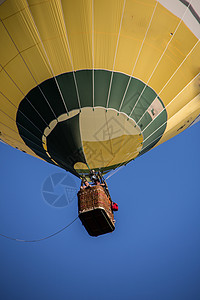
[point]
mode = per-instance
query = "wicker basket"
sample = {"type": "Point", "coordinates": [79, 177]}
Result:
{"type": "Point", "coordinates": [95, 210]}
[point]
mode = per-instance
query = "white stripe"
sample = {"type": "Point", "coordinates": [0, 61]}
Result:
{"type": "Point", "coordinates": [115, 54]}
{"type": "Point", "coordinates": [176, 7]}
{"type": "Point", "coordinates": [159, 62]}
{"type": "Point", "coordinates": [138, 56]}
{"type": "Point", "coordinates": [195, 121]}
{"type": "Point", "coordinates": [93, 52]}
{"type": "Point", "coordinates": [172, 101]}
{"type": "Point", "coordinates": [48, 63]}
{"type": "Point", "coordinates": [72, 65]}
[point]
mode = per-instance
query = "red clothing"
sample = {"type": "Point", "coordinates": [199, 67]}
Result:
{"type": "Point", "coordinates": [114, 206]}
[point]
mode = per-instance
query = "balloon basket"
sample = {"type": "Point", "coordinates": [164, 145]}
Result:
{"type": "Point", "coordinates": [95, 211]}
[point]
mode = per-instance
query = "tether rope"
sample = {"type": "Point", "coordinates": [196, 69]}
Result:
{"type": "Point", "coordinates": [39, 240]}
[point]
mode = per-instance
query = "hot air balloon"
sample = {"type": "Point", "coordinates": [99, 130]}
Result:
{"type": "Point", "coordinates": [89, 84]}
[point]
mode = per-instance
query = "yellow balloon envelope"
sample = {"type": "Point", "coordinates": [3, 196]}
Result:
{"type": "Point", "coordinates": [90, 84]}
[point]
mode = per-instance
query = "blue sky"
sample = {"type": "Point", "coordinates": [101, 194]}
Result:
{"type": "Point", "coordinates": [152, 254]}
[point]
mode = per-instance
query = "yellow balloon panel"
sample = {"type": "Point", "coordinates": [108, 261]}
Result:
{"type": "Point", "coordinates": [37, 63]}
{"type": "Point", "coordinates": [8, 51]}
{"type": "Point", "coordinates": [182, 119]}
{"type": "Point", "coordinates": [107, 20]}
{"type": "Point", "coordinates": [23, 78]}
{"type": "Point", "coordinates": [184, 97]}
{"type": "Point", "coordinates": [7, 107]}
{"type": "Point", "coordinates": [8, 120]}
{"type": "Point", "coordinates": [132, 34]}
{"type": "Point", "coordinates": [184, 74]}
{"type": "Point", "coordinates": [18, 27]}
{"type": "Point", "coordinates": [104, 43]}
{"type": "Point", "coordinates": [173, 59]}
{"type": "Point", "coordinates": [78, 22]}
{"type": "Point", "coordinates": [10, 8]}
{"type": "Point", "coordinates": [9, 89]}
{"type": "Point", "coordinates": [47, 21]}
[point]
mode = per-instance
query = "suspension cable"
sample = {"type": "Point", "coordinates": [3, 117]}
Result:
{"type": "Point", "coordinates": [114, 172]}
{"type": "Point", "coordinates": [41, 239]}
